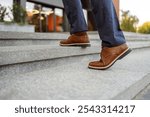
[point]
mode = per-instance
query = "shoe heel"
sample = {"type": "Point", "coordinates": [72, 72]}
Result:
{"type": "Point", "coordinates": [126, 53]}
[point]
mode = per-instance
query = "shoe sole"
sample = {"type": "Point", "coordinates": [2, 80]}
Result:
{"type": "Point", "coordinates": [122, 55]}
{"type": "Point", "coordinates": [77, 44]}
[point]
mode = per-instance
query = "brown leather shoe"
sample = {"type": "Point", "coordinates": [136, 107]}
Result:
{"type": "Point", "coordinates": [77, 39]}
{"type": "Point", "coordinates": [109, 55]}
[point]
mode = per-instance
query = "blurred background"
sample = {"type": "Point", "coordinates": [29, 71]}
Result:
{"type": "Point", "coordinates": [49, 15]}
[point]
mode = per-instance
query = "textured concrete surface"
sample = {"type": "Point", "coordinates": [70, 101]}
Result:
{"type": "Point", "coordinates": [131, 92]}
{"type": "Point", "coordinates": [76, 81]}
{"type": "Point", "coordinates": [27, 42]}
{"type": "Point", "coordinates": [25, 35]}
{"type": "Point", "coordinates": [21, 54]}
{"type": "Point", "coordinates": [144, 94]}
{"type": "Point", "coordinates": [16, 27]}
{"type": "Point", "coordinates": [33, 66]}
{"type": "Point", "coordinates": [55, 36]}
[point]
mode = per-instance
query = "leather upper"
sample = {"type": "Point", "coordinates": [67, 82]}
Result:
{"type": "Point", "coordinates": [108, 55]}
{"type": "Point", "coordinates": [76, 38]}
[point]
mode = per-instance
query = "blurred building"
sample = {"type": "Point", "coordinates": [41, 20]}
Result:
{"type": "Point", "coordinates": [46, 15]}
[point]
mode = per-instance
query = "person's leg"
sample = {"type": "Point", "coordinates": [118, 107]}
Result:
{"type": "Point", "coordinates": [78, 24]}
{"type": "Point", "coordinates": [107, 23]}
{"type": "Point", "coordinates": [113, 42]}
{"type": "Point", "coordinates": [73, 9]}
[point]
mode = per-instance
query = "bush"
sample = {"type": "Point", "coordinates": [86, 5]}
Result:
{"type": "Point", "coordinates": [19, 14]}
{"type": "Point", "coordinates": [145, 28]}
{"type": "Point", "coordinates": [129, 22]}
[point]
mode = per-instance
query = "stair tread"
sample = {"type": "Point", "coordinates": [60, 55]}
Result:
{"type": "Point", "coordinates": [76, 81]}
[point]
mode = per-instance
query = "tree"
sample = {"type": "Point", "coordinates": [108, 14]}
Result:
{"type": "Point", "coordinates": [19, 13]}
{"type": "Point", "coordinates": [145, 28]}
{"type": "Point", "coordinates": [129, 22]}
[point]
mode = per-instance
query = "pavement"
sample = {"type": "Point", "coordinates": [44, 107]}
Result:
{"type": "Point", "coordinates": [75, 81]}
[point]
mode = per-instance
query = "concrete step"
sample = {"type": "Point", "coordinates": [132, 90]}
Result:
{"type": "Point", "coordinates": [73, 80]}
{"type": "Point", "coordinates": [23, 39]}
{"type": "Point", "coordinates": [144, 94]}
{"type": "Point", "coordinates": [23, 59]}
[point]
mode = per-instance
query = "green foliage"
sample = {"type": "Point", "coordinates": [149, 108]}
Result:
{"type": "Point", "coordinates": [128, 22]}
{"type": "Point", "coordinates": [145, 28]}
{"type": "Point", "coordinates": [3, 13]}
{"type": "Point", "coordinates": [19, 14]}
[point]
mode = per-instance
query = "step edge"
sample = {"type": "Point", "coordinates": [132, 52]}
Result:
{"type": "Point", "coordinates": [130, 92]}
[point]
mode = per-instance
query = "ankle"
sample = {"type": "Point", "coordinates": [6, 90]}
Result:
{"type": "Point", "coordinates": [80, 33]}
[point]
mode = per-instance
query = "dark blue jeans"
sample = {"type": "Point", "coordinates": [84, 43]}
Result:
{"type": "Point", "coordinates": [105, 18]}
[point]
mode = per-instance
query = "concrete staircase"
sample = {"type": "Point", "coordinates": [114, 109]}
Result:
{"type": "Point", "coordinates": [34, 66]}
